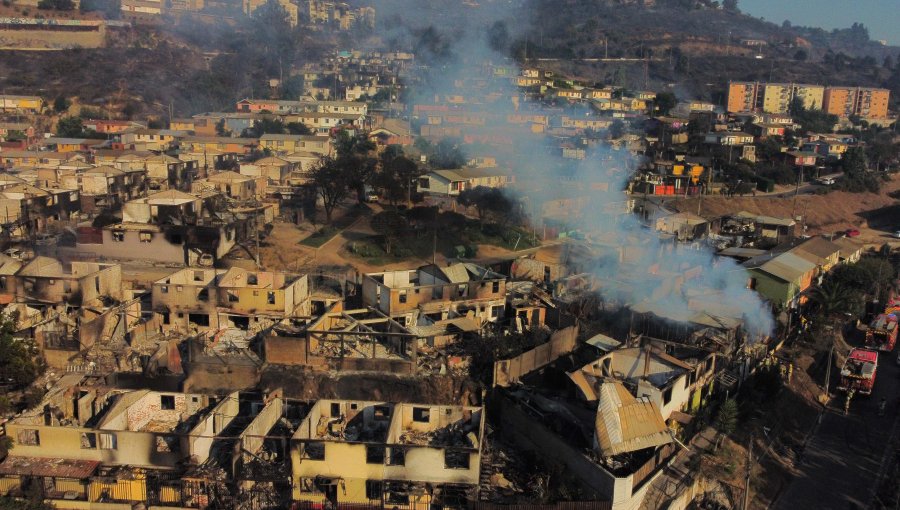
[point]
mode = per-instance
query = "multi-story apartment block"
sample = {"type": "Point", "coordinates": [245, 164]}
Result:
{"type": "Point", "coordinates": [867, 103]}
{"type": "Point", "coordinates": [772, 97]}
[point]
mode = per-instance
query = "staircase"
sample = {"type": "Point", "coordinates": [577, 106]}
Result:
{"type": "Point", "coordinates": [485, 491]}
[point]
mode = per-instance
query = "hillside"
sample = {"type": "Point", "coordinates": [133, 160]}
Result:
{"type": "Point", "coordinates": [699, 49]}
{"type": "Point", "coordinates": [877, 215]}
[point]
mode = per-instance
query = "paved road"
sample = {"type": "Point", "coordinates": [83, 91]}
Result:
{"type": "Point", "coordinates": [843, 460]}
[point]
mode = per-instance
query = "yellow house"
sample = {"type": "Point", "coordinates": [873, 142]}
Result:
{"type": "Point", "coordinates": [182, 124]}
{"type": "Point", "coordinates": [286, 144]}
{"type": "Point", "coordinates": [26, 103]}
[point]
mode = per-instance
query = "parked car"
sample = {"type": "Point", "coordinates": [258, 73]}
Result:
{"type": "Point", "coordinates": [852, 232]}
{"type": "Point", "coordinates": [825, 181]}
{"type": "Point", "coordinates": [897, 234]}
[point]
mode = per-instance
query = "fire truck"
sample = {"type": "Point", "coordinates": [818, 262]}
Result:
{"type": "Point", "coordinates": [858, 372]}
{"type": "Point", "coordinates": [882, 332]}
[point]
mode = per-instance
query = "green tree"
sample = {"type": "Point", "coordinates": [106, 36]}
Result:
{"type": "Point", "coordinates": [347, 145]}
{"type": "Point", "coordinates": [883, 150]}
{"type": "Point", "coordinates": [59, 5]}
{"type": "Point", "coordinates": [61, 104]}
{"type": "Point", "coordinates": [20, 360]}
{"type": "Point", "coordinates": [730, 5]}
{"type": "Point", "coordinates": [857, 177]}
{"type": "Point", "coordinates": [264, 126]}
{"type": "Point", "coordinates": [832, 300]}
{"type": "Point", "coordinates": [491, 203]}
{"type": "Point", "coordinates": [397, 178]}
{"type": "Point", "coordinates": [390, 225]}
{"type": "Point", "coordinates": [801, 55]}
{"type": "Point", "coordinates": [726, 420]}
{"type": "Point", "coordinates": [221, 130]}
{"type": "Point", "coordinates": [298, 128]}
{"type": "Point", "coordinates": [616, 129]}
{"type": "Point", "coordinates": [665, 101]}
{"type": "Point", "coordinates": [815, 121]}
{"type": "Point", "coordinates": [334, 178]}
{"type": "Point", "coordinates": [447, 154]}
{"type": "Point", "coordinates": [70, 127]}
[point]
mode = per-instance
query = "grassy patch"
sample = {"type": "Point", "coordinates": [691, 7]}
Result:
{"type": "Point", "coordinates": [320, 237]}
{"type": "Point", "coordinates": [326, 233]}
{"type": "Point", "coordinates": [459, 242]}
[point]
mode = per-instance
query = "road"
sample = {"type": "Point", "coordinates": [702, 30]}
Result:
{"type": "Point", "coordinates": [843, 460]}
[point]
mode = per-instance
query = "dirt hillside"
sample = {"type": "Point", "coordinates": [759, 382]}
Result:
{"type": "Point", "coordinates": [877, 215]}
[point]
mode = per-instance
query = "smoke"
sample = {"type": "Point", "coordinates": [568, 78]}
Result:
{"type": "Point", "coordinates": [633, 265]}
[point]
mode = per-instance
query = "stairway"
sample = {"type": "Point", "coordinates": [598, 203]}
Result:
{"type": "Point", "coordinates": [485, 491]}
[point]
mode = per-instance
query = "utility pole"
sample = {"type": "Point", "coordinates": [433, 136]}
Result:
{"type": "Point", "coordinates": [434, 249]}
{"type": "Point", "coordinates": [256, 228]}
{"type": "Point", "coordinates": [746, 505]}
{"type": "Point", "coordinates": [828, 368]}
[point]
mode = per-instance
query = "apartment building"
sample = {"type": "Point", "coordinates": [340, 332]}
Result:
{"type": "Point", "coordinates": [772, 97]}
{"type": "Point", "coordinates": [867, 103]}
{"type": "Point", "coordinates": [347, 452]}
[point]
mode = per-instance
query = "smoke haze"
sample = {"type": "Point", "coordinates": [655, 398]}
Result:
{"type": "Point", "coordinates": [461, 43]}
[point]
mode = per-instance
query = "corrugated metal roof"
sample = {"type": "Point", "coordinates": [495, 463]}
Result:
{"type": "Point", "coordinates": [787, 266]}
{"type": "Point", "coordinates": [816, 250]}
{"type": "Point", "coordinates": [625, 424]}
{"type": "Point", "coordinates": [456, 273]}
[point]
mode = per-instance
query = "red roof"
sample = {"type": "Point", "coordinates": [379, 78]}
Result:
{"type": "Point", "coordinates": [864, 355]}
{"type": "Point", "coordinates": [39, 466]}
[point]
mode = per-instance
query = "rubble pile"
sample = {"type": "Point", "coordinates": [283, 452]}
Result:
{"type": "Point", "coordinates": [453, 436]}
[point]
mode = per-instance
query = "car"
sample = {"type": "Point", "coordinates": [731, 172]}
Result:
{"type": "Point", "coordinates": [897, 234]}
{"type": "Point", "coordinates": [852, 232]}
{"type": "Point", "coordinates": [825, 181]}
{"type": "Point", "coordinates": [371, 196]}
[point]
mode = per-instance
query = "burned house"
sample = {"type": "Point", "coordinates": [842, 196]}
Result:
{"type": "Point", "coordinates": [105, 187]}
{"type": "Point", "coordinates": [613, 447]}
{"type": "Point", "coordinates": [46, 280]}
{"type": "Point", "coordinates": [551, 263]}
{"type": "Point", "coordinates": [90, 443]}
{"type": "Point", "coordinates": [27, 210]}
{"type": "Point", "coordinates": [344, 340]}
{"type": "Point", "coordinates": [165, 172]}
{"type": "Point", "coordinates": [432, 293]}
{"type": "Point", "coordinates": [169, 227]}
{"type": "Point", "coordinates": [385, 453]}
{"type": "Point", "coordinates": [213, 299]}
{"type": "Point", "coordinates": [677, 385]}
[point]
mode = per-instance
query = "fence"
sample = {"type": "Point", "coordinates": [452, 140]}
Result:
{"type": "Point", "coordinates": [509, 371]}
{"type": "Point", "coordinates": [649, 467]}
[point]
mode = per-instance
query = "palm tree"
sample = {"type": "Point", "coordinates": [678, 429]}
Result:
{"type": "Point", "coordinates": [832, 300]}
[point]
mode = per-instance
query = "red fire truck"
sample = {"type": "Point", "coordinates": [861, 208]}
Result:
{"type": "Point", "coordinates": [882, 332]}
{"type": "Point", "coordinates": [858, 372]}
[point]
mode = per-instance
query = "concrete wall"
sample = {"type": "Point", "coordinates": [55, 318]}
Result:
{"type": "Point", "coordinates": [132, 248]}
{"type": "Point", "coordinates": [252, 438]}
{"type": "Point", "coordinates": [202, 435]}
{"type": "Point", "coordinates": [533, 436]}
{"type": "Point", "coordinates": [132, 448]}
{"type": "Point", "coordinates": [509, 371]}
{"type": "Point", "coordinates": [51, 39]}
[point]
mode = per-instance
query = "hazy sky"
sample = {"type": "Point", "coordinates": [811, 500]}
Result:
{"type": "Point", "coordinates": [881, 17]}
